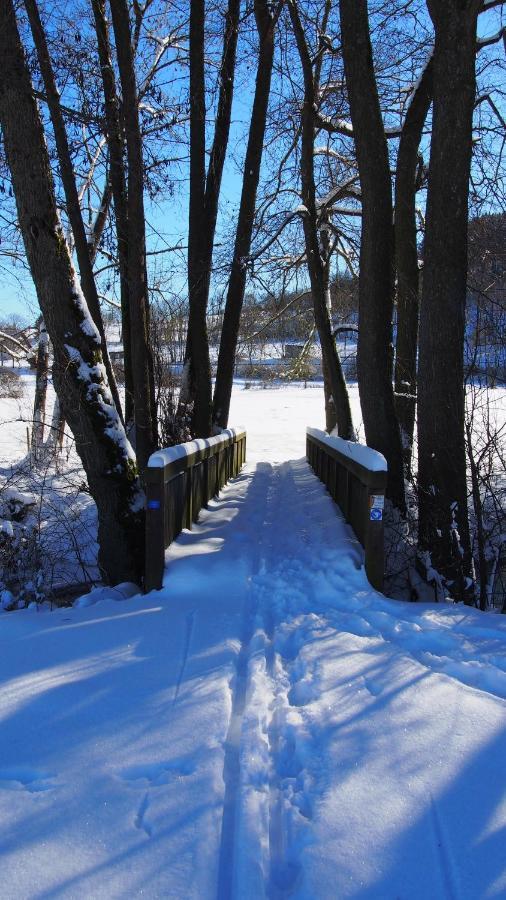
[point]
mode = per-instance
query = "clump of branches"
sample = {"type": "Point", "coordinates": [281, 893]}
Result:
{"type": "Point", "coordinates": [167, 343]}
{"type": "Point", "coordinates": [47, 531]}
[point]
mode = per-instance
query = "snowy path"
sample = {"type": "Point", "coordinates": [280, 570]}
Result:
{"type": "Point", "coordinates": [266, 726]}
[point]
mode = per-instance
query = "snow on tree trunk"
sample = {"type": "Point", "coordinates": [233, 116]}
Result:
{"type": "Point", "coordinates": [70, 188]}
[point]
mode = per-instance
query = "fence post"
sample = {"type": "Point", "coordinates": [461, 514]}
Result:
{"type": "Point", "coordinates": [374, 540]}
{"type": "Point", "coordinates": [155, 529]}
{"type": "Point", "coordinates": [188, 503]}
{"type": "Point", "coordinates": [205, 490]}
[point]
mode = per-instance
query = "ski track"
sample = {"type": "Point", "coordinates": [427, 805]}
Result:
{"type": "Point", "coordinates": [232, 766]}
{"type": "Point", "coordinates": [284, 536]}
{"type": "Point", "coordinates": [190, 624]}
{"type": "Point", "coordinates": [446, 866]}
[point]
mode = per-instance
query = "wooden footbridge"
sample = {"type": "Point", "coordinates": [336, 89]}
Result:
{"type": "Point", "coordinates": [181, 480]}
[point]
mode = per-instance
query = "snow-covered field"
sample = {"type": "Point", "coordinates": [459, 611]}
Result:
{"type": "Point", "coordinates": [265, 726]}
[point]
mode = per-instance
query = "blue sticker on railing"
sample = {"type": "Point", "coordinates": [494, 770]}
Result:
{"type": "Point", "coordinates": [153, 504]}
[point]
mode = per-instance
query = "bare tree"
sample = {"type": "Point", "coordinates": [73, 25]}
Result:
{"type": "Point", "coordinates": [318, 266]}
{"type": "Point", "coordinates": [117, 177]}
{"type": "Point", "coordinates": [69, 185]}
{"type": "Point", "coordinates": [78, 371]}
{"type": "Point", "coordinates": [265, 23]}
{"type": "Point", "coordinates": [407, 177]}
{"type": "Point", "coordinates": [203, 207]}
{"type": "Point", "coordinates": [142, 360]}
{"type": "Point", "coordinates": [41, 378]}
{"type": "Point", "coordinates": [443, 525]}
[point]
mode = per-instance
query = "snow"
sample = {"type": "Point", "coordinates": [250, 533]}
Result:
{"type": "Point", "coordinates": [347, 188]}
{"type": "Point", "coordinates": [416, 84]}
{"type": "Point", "coordinates": [164, 457]}
{"type": "Point", "coordinates": [98, 391]}
{"type": "Point", "coordinates": [12, 495]}
{"type": "Point", "coordinates": [359, 453]}
{"type": "Point", "coordinates": [337, 124]}
{"type": "Point", "coordinates": [266, 725]}
{"type": "Point", "coordinates": [87, 324]}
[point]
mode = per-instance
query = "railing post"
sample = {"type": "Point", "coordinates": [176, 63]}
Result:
{"type": "Point", "coordinates": [374, 540]}
{"type": "Point", "coordinates": [188, 503]}
{"type": "Point", "coordinates": [346, 504]}
{"type": "Point", "coordinates": [206, 497]}
{"type": "Point", "coordinates": [155, 529]}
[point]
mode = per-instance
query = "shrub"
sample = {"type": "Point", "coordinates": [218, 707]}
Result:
{"type": "Point", "coordinates": [11, 385]}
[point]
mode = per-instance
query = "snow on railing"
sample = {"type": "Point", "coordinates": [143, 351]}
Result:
{"type": "Point", "coordinates": [356, 477]}
{"type": "Point", "coordinates": [180, 481]}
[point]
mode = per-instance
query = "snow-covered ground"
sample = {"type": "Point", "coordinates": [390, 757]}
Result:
{"type": "Point", "coordinates": [265, 726]}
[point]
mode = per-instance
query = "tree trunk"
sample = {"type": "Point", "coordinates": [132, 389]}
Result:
{"type": "Point", "coordinates": [54, 441]}
{"type": "Point", "coordinates": [376, 285]}
{"type": "Point", "coordinates": [70, 188]}
{"type": "Point", "coordinates": [119, 192]}
{"type": "Point", "coordinates": [238, 270]}
{"type": "Point", "coordinates": [78, 372]}
{"type": "Point", "coordinates": [39, 403]}
{"type": "Point", "coordinates": [142, 359]}
{"type": "Point", "coordinates": [316, 266]}
{"type": "Point", "coordinates": [406, 259]}
{"type": "Point", "coordinates": [204, 196]}
{"type": "Point", "coordinates": [441, 428]}
{"type": "Point", "coordinates": [331, 419]}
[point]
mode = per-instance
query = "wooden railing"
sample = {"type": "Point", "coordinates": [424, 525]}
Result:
{"type": "Point", "coordinates": [356, 478]}
{"type": "Point", "coordinates": [179, 482]}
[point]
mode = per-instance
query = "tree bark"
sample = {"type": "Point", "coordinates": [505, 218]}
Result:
{"type": "Point", "coordinates": [142, 359]}
{"type": "Point", "coordinates": [70, 187]}
{"type": "Point", "coordinates": [204, 196]}
{"type": "Point", "coordinates": [441, 426]}
{"type": "Point", "coordinates": [78, 372]}
{"type": "Point", "coordinates": [316, 266]}
{"type": "Point", "coordinates": [376, 285]}
{"type": "Point", "coordinates": [406, 259]}
{"type": "Point", "coordinates": [237, 280]}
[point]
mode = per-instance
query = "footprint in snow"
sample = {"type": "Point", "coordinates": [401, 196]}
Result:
{"type": "Point", "coordinates": [158, 774]}
{"type": "Point", "coordinates": [140, 819]}
{"type": "Point", "coordinates": [302, 692]}
{"type": "Point", "coordinates": [24, 778]}
{"type": "Point", "coordinates": [374, 686]}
